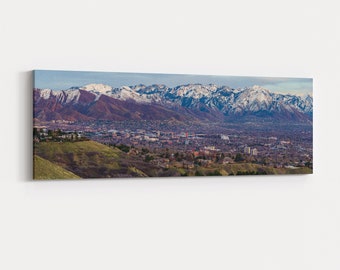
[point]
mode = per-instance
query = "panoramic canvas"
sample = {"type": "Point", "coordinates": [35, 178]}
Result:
{"type": "Point", "coordinates": [120, 125]}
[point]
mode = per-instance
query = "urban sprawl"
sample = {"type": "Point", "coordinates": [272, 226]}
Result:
{"type": "Point", "coordinates": [193, 144]}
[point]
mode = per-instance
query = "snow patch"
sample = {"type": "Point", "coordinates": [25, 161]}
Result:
{"type": "Point", "coordinates": [72, 96]}
{"type": "Point", "coordinates": [45, 93]}
{"type": "Point", "coordinates": [97, 88]}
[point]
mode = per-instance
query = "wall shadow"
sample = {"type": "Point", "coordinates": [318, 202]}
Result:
{"type": "Point", "coordinates": [25, 123]}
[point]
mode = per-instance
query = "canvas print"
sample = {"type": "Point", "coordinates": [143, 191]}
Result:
{"type": "Point", "coordinates": [123, 125]}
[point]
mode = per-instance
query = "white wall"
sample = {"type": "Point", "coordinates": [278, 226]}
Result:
{"type": "Point", "coordinates": [284, 222]}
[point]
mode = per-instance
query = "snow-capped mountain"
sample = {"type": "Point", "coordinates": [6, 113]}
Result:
{"type": "Point", "coordinates": [207, 101]}
{"type": "Point", "coordinates": [97, 88]}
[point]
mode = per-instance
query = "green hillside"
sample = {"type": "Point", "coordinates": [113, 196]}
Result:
{"type": "Point", "coordinates": [250, 168]}
{"type": "Point", "coordinates": [44, 169]}
{"type": "Point", "coordinates": [235, 169]}
{"type": "Point", "coordinates": [88, 159]}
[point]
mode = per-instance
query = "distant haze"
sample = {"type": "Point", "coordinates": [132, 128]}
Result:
{"type": "Point", "coordinates": [62, 80]}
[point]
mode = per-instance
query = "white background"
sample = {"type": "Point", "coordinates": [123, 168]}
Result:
{"type": "Point", "coordinates": [283, 222]}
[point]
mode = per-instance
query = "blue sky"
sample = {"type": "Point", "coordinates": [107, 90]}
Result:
{"type": "Point", "coordinates": [61, 80]}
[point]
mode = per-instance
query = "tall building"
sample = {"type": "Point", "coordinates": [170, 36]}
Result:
{"type": "Point", "coordinates": [247, 150]}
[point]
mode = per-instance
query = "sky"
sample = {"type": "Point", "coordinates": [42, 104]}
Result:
{"type": "Point", "coordinates": [62, 80]}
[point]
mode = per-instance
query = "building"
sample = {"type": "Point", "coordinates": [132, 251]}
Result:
{"type": "Point", "coordinates": [225, 138]}
{"type": "Point", "coordinates": [247, 150]}
{"type": "Point", "coordinates": [254, 152]}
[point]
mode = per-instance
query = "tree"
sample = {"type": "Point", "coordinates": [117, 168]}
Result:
{"type": "Point", "coordinates": [145, 150]}
{"type": "Point", "coordinates": [308, 164]}
{"type": "Point", "coordinates": [35, 132]}
{"type": "Point", "coordinates": [148, 158]}
{"type": "Point", "coordinates": [124, 148]}
{"type": "Point", "coordinates": [238, 157]}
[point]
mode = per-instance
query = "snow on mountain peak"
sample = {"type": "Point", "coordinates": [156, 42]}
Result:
{"type": "Point", "coordinates": [45, 93]}
{"type": "Point", "coordinates": [195, 90]}
{"type": "Point", "coordinates": [257, 87]}
{"type": "Point", "coordinates": [73, 96]}
{"type": "Point", "coordinates": [126, 88]}
{"type": "Point", "coordinates": [256, 96]}
{"type": "Point", "coordinates": [128, 93]}
{"type": "Point", "coordinates": [306, 96]}
{"type": "Point", "coordinates": [97, 88]}
{"type": "Point", "coordinates": [219, 98]}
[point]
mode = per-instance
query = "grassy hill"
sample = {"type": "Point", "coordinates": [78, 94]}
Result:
{"type": "Point", "coordinates": [88, 159]}
{"type": "Point", "coordinates": [250, 168]}
{"type": "Point", "coordinates": [237, 169]}
{"type": "Point", "coordinates": [44, 169]}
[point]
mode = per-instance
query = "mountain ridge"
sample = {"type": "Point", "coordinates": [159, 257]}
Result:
{"type": "Point", "coordinates": [159, 102]}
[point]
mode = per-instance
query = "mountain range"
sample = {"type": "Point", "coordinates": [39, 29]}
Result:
{"type": "Point", "coordinates": [159, 102]}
